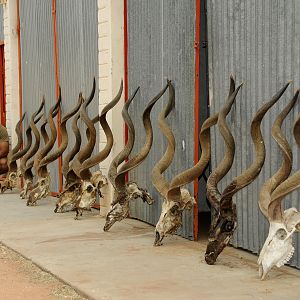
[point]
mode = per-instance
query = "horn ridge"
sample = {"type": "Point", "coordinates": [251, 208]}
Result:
{"type": "Point", "coordinates": [253, 171]}
{"type": "Point", "coordinates": [213, 194]}
{"type": "Point", "coordinates": [64, 141]}
{"type": "Point", "coordinates": [122, 155]}
{"type": "Point", "coordinates": [41, 171]}
{"type": "Point", "coordinates": [158, 180]}
{"type": "Point", "coordinates": [288, 185]}
{"type": "Point", "coordinates": [69, 157]}
{"type": "Point", "coordinates": [142, 154]}
{"type": "Point", "coordinates": [33, 149]}
{"type": "Point", "coordinates": [96, 159]}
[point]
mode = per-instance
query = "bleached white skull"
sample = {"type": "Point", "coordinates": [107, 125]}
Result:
{"type": "Point", "coordinates": [171, 216]}
{"type": "Point", "coordinates": [278, 248]}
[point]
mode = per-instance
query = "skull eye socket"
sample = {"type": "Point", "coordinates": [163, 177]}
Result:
{"type": "Point", "coordinates": [89, 189]}
{"type": "Point", "coordinates": [174, 208]}
{"type": "Point", "coordinates": [281, 234]}
{"type": "Point", "coordinates": [228, 226]}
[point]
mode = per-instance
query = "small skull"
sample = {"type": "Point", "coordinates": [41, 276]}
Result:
{"type": "Point", "coordinates": [171, 216]}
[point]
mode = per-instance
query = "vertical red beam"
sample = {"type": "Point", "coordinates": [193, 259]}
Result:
{"type": "Point", "coordinates": [19, 68]}
{"type": "Point", "coordinates": [196, 112]}
{"type": "Point", "coordinates": [125, 68]}
{"type": "Point", "coordinates": [57, 88]}
{"type": "Point", "coordinates": [19, 60]}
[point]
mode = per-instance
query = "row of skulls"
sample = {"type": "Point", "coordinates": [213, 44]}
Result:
{"type": "Point", "coordinates": [81, 186]}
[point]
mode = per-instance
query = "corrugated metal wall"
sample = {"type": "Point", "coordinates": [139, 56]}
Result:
{"type": "Point", "coordinates": [1, 24]}
{"type": "Point", "coordinates": [161, 38]}
{"type": "Point", "coordinates": [37, 60]}
{"type": "Point", "coordinates": [77, 33]}
{"type": "Point", "coordinates": [258, 42]}
{"type": "Point", "coordinates": [77, 55]}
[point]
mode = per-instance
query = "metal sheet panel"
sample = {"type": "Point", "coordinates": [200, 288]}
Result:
{"type": "Point", "coordinates": [161, 38]}
{"type": "Point", "coordinates": [259, 43]}
{"type": "Point", "coordinates": [1, 24]}
{"type": "Point", "coordinates": [37, 60]}
{"type": "Point", "coordinates": [78, 56]}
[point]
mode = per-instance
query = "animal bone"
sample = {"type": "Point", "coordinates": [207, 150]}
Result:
{"type": "Point", "coordinates": [126, 192]}
{"type": "Point", "coordinates": [278, 248]}
{"type": "Point", "coordinates": [93, 182]}
{"type": "Point", "coordinates": [63, 145]}
{"type": "Point", "coordinates": [25, 164]}
{"type": "Point", "coordinates": [224, 218]}
{"type": "Point", "coordinates": [82, 186]}
{"type": "Point", "coordinates": [176, 198]}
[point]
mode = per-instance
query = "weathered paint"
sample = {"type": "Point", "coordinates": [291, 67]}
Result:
{"type": "Point", "coordinates": [37, 60]}
{"type": "Point", "coordinates": [78, 57]}
{"type": "Point", "coordinates": [257, 42]}
{"type": "Point", "coordinates": [1, 24]}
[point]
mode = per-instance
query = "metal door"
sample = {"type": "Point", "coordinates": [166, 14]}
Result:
{"type": "Point", "coordinates": [161, 45]}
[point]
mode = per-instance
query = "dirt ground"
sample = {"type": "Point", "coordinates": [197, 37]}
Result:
{"type": "Point", "coordinates": [21, 279]}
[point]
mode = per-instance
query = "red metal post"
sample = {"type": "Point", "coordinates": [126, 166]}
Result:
{"type": "Point", "coordinates": [196, 112]}
{"type": "Point", "coordinates": [57, 89]}
{"type": "Point", "coordinates": [20, 69]}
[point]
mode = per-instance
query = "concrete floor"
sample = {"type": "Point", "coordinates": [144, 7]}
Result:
{"type": "Point", "coordinates": [123, 264]}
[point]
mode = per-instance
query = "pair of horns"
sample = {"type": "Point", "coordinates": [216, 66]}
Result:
{"type": "Point", "coordinates": [223, 202]}
{"type": "Point", "coordinates": [25, 164]}
{"type": "Point", "coordinates": [83, 172]}
{"type": "Point", "coordinates": [280, 184]}
{"type": "Point", "coordinates": [15, 153]}
{"type": "Point", "coordinates": [41, 170]}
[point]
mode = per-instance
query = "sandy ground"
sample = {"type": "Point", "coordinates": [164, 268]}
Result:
{"type": "Point", "coordinates": [122, 264]}
{"type": "Point", "coordinates": [21, 279]}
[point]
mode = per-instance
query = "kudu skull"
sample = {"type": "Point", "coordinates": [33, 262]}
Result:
{"type": "Point", "coordinates": [224, 221]}
{"type": "Point", "coordinates": [278, 248]}
{"type": "Point", "coordinates": [125, 192]}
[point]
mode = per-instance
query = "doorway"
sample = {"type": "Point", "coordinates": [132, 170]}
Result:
{"type": "Point", "coordinates": [204, 212]}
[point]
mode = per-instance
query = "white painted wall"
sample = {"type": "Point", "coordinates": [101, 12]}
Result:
{"type": "Point", "coordinates": [11, 67]}
{"type": "Point", "coordinates": [111, 71]}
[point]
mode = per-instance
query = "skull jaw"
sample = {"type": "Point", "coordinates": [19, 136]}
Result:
{"type": "Point", "coordinates": [276, 251]}
{"type": "Point", "coordinates": [216, 246]}
{"type": "Point", "coordinates": [9, 183]}
{"type": "Point", "coordinates": [41, 190]}
{"type": "Point", "coordinates": [26, 188]}
{"type": "Point", "coordinates": [171, 216]}
{"type": "Point", "coordinates": [67, 199]}
{"type": "Point", "coordinates": [120, 210]}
